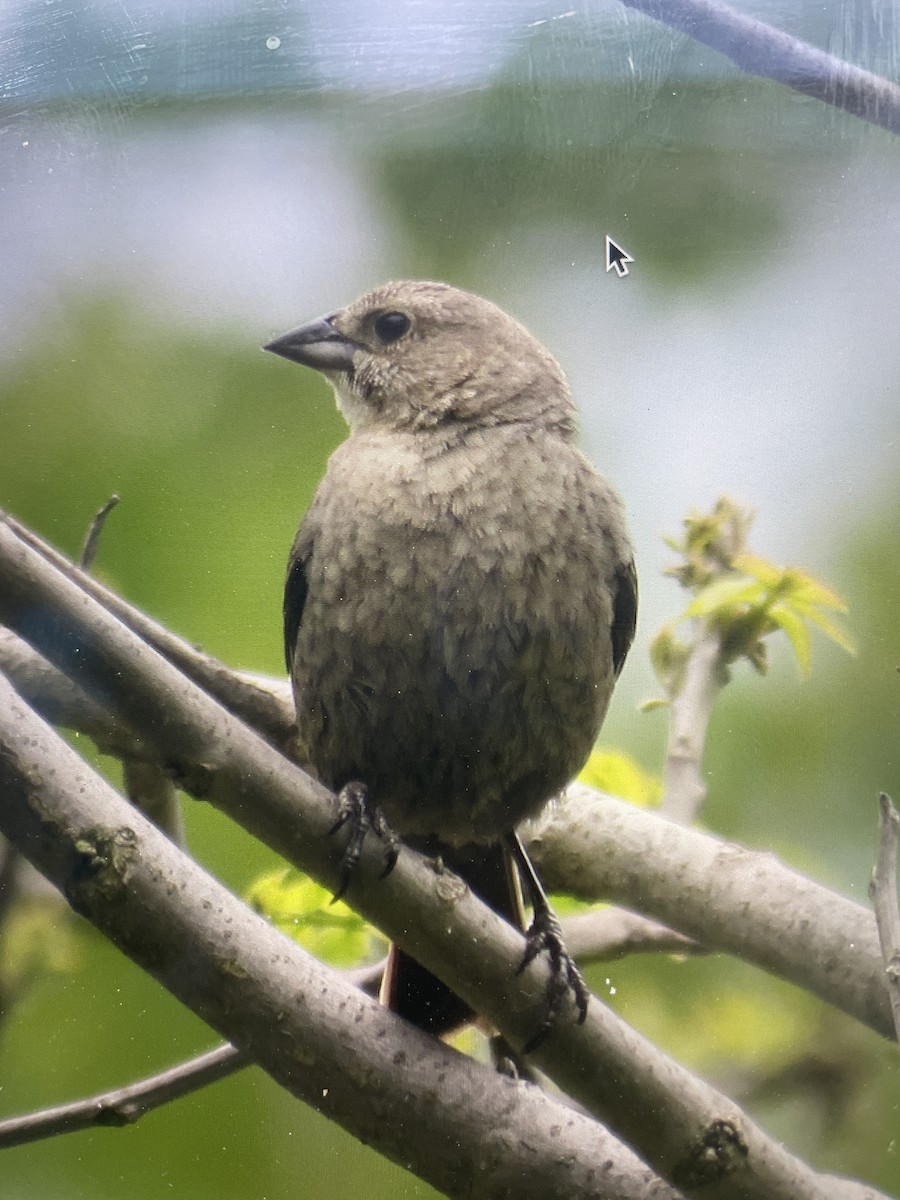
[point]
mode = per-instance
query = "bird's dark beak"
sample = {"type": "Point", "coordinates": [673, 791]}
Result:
{"type": "Point", "coordinates": [318, 345]}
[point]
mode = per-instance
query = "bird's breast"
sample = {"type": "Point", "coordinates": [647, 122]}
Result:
{"type": "Point", "coordinates": [454, 652]}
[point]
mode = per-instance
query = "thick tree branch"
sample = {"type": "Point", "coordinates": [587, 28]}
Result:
{"type": "Point", "coordinates": [886, 899]}
{"type": "Point", "coordinates": [678, 1124]}
{"type": "Point", "coordinates": [731, 899]}
{"type": "Point", "coordinates": [418, 1101]}
{"type": "Point", "coordinates": [271, 713]}
{"type": "Point", "coordinates": [680, 879]}
{"type": "Point", "coordinates": [63, 702]}
{"type": "Point", "coordinates": [760, 49]}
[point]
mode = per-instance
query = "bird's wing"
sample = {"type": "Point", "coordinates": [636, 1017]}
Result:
{"type": "Point", "coordinates": [295, 589]}
{"type": "Point", "coordinates": [625, 594]}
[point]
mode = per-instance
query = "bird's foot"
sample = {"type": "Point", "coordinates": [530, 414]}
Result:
{"type": "Point", "coordinates": [544, 936]}
{"type": "Point", "coordinates": [357, 810]}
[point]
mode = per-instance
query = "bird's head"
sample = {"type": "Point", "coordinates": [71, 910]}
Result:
{"type": "Point", "coordinates": [420, 355]}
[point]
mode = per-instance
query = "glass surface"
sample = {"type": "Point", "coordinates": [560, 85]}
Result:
{"type": "Point", "coordinates": [179, 183]}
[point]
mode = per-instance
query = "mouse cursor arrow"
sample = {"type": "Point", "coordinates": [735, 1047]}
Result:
{"type": "Point", "coordinates": [617, 257]}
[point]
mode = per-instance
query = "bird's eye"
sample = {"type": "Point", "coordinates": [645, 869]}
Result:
{"type": "Point", "coordinates": [391, 325]}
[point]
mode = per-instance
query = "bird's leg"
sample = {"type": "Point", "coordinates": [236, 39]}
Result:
{"type": "Point", "coordinates": [357, 809]}
{"type": "Point", "coordinates": [544, 935]}
{"type": "Point", "coordinates": [509, 1062]}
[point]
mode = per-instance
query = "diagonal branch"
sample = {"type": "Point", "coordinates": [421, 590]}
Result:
{"type": "Point", "coordinates": [763, 50]}
{"type": "Point", "coordinates": [603, 935]}
{"type": "Point", "coordinates": [268, 711]}
{"type": "Point", "coordinates": [689, 1133]}
{"type": "Point", "coordinates": [685, 878]}
{"type": "Point", "coordinates": [416, 1100]}
{"type": "Point", "coordinates": [728, 898]}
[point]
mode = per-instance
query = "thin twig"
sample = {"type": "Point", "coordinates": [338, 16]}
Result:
{"type": "Point", "coordinates": [609, 934]}
{"type": "Point", "coordinates": [885, 897]}
{"type": "Point", "coordinates": [690, 709]}
{"type": "Point", "coordinates": [763, 50]}
{"type": "Point", "coordinates": [127, 1104]}
{"type": "Point", "coordinates": [92, 539]}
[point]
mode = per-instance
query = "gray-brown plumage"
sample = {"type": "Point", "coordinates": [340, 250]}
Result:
{"type": "Point", "coordinates": [461, 593]}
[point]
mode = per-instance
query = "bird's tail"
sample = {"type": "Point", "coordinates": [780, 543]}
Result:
{"type": "Point", "coordinates": [407, 987]}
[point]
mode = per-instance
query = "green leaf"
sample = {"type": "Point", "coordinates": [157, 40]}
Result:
{"type": "Point", "coordinates": [758, 568]}
{"type": "Point", "coordinates": [725, 594]}
{"type": "Point", "coordinates": [796, 629]}
{"type": "Point", "coordinates": [303, 910]}
{"type": "Point", "coordinates": [742, 598]}
{"type": "Point", "coordinates": [833, 631]}
{"type": "Point", "coordinates": [668, 656]}
{"type": "Point", "coordinates": [37, 939]}
{"type": "Point", "coordinates": [618, 775]}
{"type": "Point", "coordinates": [810, 593]}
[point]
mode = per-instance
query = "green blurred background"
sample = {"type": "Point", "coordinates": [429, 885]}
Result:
{"type": "Point", "coordinates": [177, 186]}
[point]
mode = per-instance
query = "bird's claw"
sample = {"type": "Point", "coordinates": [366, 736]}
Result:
{"type": "Point", "coordinates": [357, 809]}
{"type": "Point", "coordinates": [545, 936]}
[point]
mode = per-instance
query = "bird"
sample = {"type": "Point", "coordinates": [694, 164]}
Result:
{"type": "Point", "coordinates": [460, 599]}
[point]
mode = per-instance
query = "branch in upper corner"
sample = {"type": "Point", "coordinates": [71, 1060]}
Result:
{"type": "Point", "coordinates": [763, 50]}
{"type": "Point", "coordinates": [884, 893]}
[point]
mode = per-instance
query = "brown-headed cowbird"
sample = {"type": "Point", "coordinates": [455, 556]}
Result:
{"type": "Point", "coordinates": [461, 593]}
